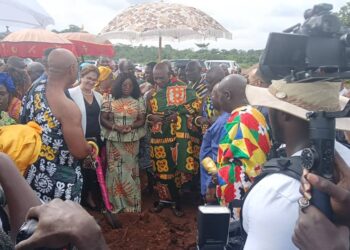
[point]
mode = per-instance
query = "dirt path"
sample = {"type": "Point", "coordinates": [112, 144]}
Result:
{"type": "Point", "coordinates": [152, 231]}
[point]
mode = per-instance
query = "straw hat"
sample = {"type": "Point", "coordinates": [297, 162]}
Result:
{"type": "Point", "coordinates": [299, 98]}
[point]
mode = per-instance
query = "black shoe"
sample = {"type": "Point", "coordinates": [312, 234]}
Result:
{"type": "Point", "coordinates": [157, 207]}
{"type": "Point", "coordinates": [177, 211]}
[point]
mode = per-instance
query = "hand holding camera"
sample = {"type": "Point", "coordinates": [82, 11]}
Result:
{"type": "Point", "coordinates": [72, 225]}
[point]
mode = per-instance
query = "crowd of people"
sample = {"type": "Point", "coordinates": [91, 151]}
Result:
{"type": "Point", "coordinates": [89, 131]}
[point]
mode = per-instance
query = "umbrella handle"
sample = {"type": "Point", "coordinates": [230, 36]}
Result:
{"type": "Point", "coordinates": [160, 49]}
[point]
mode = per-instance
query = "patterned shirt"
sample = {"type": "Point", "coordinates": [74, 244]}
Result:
{"type": "Point", "coordinates": [200, 87]}
{"type": "Point", "coordinates": [241, 152]}
{"type": "Point", "coordinates": [56, 173]}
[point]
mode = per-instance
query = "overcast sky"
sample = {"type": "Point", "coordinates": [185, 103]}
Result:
{"type": "Point", "coordinates": [249, 21]}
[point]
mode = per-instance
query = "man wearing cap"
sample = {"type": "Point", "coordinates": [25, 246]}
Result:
{"type": "Point", "coordinates": [274, 200]}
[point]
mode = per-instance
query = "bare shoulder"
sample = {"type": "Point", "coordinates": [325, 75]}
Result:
{"type": "Point", "coordinates": [70, 111]}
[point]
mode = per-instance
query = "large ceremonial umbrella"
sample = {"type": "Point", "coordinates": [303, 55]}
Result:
{"type": "Point", "coordinates": [23, 14]}
{"type": "Point", "coordinates": [32, 43]}
{"type": "Point", "coordinates": [168, 20]}
{"type": "Point", "coordinates": [87, 44]}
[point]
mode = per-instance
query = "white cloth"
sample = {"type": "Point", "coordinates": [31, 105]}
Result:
{"type": "Point", "coordinates": [271, 210]}
{"type": "Point", "coordinates": [77, 96]}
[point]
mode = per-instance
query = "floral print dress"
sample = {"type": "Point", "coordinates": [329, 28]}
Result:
{"type": "Point", "coordinates": [56, 174]}
{"type": "Point", "coordinates": [123, 181]}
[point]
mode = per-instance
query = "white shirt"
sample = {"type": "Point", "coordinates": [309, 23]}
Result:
{"type": "Point", "coordinates": [271, 210]}
{"type": "Point", "coordinates": [77, 95]}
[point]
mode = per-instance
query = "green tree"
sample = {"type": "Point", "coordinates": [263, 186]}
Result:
{"type": "Point", "coordinates": [145, 54]}
{"type": "Point", "coordinates": [344, 14]}
{"type": "Point", "coordinates": [71, 28]}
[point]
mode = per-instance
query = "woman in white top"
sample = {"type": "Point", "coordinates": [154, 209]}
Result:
{"type": "Point", "coordinates": [89, 103]}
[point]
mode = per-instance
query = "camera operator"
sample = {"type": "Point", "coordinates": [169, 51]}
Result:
{"type": "Point", "coordinates": [59, 222]}
{"type": "Point", "coordinates": [274, 200]}
{"type": "Point", "coordinates": [313, 229]}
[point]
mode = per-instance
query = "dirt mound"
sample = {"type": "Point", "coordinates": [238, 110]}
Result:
{"type": "Point", "coordinates": [152, 231]}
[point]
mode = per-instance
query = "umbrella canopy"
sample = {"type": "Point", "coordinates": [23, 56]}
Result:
{"type": "Point", "coordinates": [24, 14]}
{"type": "Point", "coordinates": [87, 44]}
{"type": "Point", "coordinates": [32, 43]}
{"type": "Point", "coordinates": [156, 20]}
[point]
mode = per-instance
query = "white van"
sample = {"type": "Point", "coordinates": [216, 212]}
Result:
{"type": "Point", "coordinates": [232, 66]}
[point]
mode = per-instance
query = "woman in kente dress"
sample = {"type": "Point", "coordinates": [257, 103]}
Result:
{"type": "Point", "coordinates": [122, 119]}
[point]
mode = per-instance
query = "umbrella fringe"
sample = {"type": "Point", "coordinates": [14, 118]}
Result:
{"type": "Point", "coordinates": [175, 34]}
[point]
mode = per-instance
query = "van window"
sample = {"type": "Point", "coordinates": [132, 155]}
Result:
{"type": "Point", "coordinates": [212, 64]}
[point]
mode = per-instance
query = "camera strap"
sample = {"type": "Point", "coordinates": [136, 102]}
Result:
{"type": "Point", "coordinates": [288, 166]}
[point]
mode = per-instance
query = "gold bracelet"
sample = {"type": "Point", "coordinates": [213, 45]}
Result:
{"type": "Point", "coordinates": [94, 145]}
{"type": "Point", "coordinates": [209, 165]}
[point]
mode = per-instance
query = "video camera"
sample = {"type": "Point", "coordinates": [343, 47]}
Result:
{"type": "Point", "coordinates": [317, 49]}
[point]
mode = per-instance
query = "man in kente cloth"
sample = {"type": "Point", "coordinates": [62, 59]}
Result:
{"type": "Point", "coordinates": [175, 137]}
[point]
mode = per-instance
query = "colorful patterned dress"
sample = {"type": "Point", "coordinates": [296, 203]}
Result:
{"type": "Point", "coordinates": [123, 182]}
{"type": "Point", "coordinates": [175, 146]}
{"type": "Point", "coordinates": [56, 174]}
{"type": "Point", "coordinates": [241, 153]}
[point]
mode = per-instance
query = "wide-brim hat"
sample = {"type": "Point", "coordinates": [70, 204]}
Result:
{"type": "Point", "coordinates": [300, 98]}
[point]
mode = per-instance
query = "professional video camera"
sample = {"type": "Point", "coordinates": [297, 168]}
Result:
{"type": "Point", "coordinates": [317, 49]}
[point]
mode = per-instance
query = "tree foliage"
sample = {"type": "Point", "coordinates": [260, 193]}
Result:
{"type": "Point", "coordinates": [145, 54]}
{"type": "Point", "coordinates": [344, 14]}
{"type": "Point", "coordinates": [71, 28]}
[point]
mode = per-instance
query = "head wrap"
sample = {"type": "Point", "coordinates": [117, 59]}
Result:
{"type": "Point", "coordinates": [104, 74]}
{"type": "Point", "coordinates": [6, 80]}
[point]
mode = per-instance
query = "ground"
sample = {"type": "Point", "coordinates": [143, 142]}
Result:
{"type": "Point", "coordinates": [153, 231]}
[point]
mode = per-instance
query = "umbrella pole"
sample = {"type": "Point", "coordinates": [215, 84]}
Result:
{"type": "Point", "coordinates": [82, 59]}
{"type": "Point", "coordinates": [160, 49]}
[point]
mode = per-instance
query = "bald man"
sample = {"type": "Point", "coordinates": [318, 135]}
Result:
{"type": "Point", "coordinates": [56, 173]}
{"type": "Point", "coordinates": [194, 78]}
{"type": "Point", "coordinates": [209, 114]}
{"type": "Point", "coordinates": [126, 66]}
{"type": "Point", "coordinates": [174, 137]}
{"type": "Point", "coordinates": [245, 146]}
{"type": "Point", "coordinates": [35, 70]}
{"type": "Point", "coordinates": [173, 77]}
{"type": "Point", "coordinates": [224, 68]}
